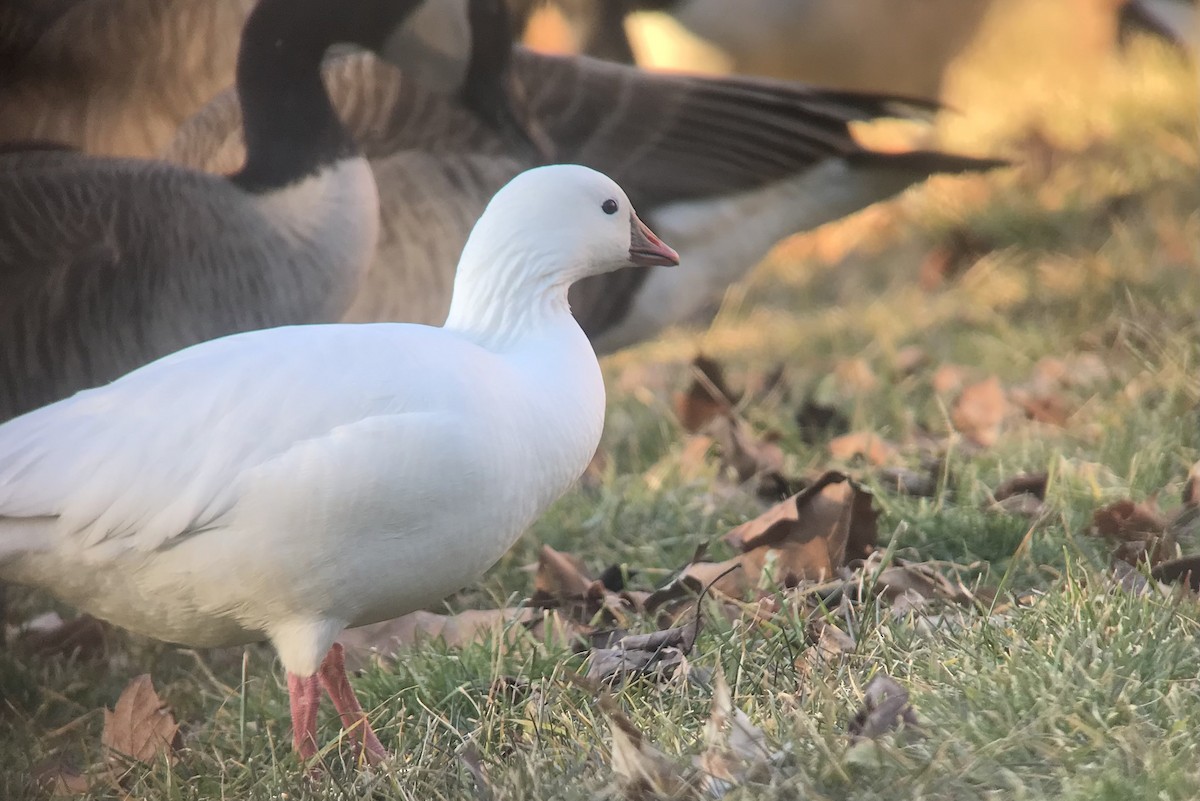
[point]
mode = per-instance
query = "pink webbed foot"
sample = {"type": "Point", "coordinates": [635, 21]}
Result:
{"type": "Point", "coordinates": [354, 720]}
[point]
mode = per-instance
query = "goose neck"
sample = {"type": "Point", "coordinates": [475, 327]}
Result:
{"type": "Point", "coordinates": [291, 129]}
{"type": "Point", "coordinates": [499, 307]}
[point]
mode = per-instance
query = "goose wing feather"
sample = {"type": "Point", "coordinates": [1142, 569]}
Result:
{"type": "Point", "coordinates": [118, 466]}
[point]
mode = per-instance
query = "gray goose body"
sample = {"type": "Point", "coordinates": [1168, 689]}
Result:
{"type": "Point", "coordinates": [112, 77]}
{"type": "Point", "coordinates": [700, 157]}
{"type": "Point", "coordinates": [107, 264]}
{"type": "Point", "coordinates": [94, 286]}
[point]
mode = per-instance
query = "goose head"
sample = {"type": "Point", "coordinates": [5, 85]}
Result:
{"type": "Point", "coordinates": [290, 126]}
{"type": "Point", "coordinates": [545, 229]}
{"type": "Point", "coordinates": [462, 48]}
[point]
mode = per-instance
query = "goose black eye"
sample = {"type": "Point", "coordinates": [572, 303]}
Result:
{"type": "Point", "coordinates": [609, 206]}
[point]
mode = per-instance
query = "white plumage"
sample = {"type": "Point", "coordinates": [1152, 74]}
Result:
{"type": "Point", "coordinates": [284, 484]}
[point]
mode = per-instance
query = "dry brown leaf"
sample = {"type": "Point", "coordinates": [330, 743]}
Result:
{"type": "Point", "coordinates": [909, 359]}
{"type": "Point", "coordinates": [1140, 531]}
{"type": "Point", "coordinates": [1051, 409]}
{"type": "Point", "coordinates": [903, 481]}
{"type": "Point", "coordinates": [866, 444]}
{"type": "Point", "coordinates": [809, 535]}
{"type": "Point", "coordinates": [560, 575]}
{"type": "Point", "coordinates": [1029, 483]}
{"type": "Point", "coordinates": [1022, 495]}
{"type": "Point", "coordinates": [561, 583]}
{"type": "Point", "coordinates": [746, 454]}
{"type": "Point", "coordinates": [707, 398]}
{"type": "Point", "coordinates": [658, 655]}
{"type": "Point", "coordinates": [909, 580]}
{"type": "Point", "coordinates": [885, 708]}
{"type": "Point", "coordinates": [140, 726]}
{"type": "Point", "coordinates": [643, 772]}
{"type": "Point", "coordinates": [735, 749]}
{"type": "Point", "coordinates": [1021, 505]}
{"type": "Point", "coordinates": [457, 631]}
{"type": "Point", "coordinates": [828, 645]}
{"type": "Point", "coordinates": [979, 412]}
{"type": "Point", "coordinates": [1184, 570]}
{"type": "Point", "coordinates": [948, 379]}
{"type": "Point", "coordinates": [57, 778]}
{"type": "Point", "coordinates": [854, 377]}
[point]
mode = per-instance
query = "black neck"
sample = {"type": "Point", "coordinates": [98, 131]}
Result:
{"type": "Point", "coordinates": [485, 90]}
{"type": "Point", "coordinates": [289, 123]}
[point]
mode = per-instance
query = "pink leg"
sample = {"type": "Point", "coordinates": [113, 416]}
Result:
{"type": "Point", "coordinates": [304, 695]}
{"type": "Point", "coordinates": [354, 720]}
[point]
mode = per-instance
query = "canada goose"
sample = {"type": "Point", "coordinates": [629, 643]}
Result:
{"type": "Point", "coordinates": [901, 47]}
{"type": "Point", "coordinates": [284, 484]}
{"type": "Point", "coordinates": [725, 167]}
{"type": "Point", "coordinates": [112, 78]}
{"type": "Point", "coordinates": [106, 264]}
{"type": "Point", "coordinates": [117, 77]}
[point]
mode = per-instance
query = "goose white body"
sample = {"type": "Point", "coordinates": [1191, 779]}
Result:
{"type": "Point", "coordinates": [287, 483]}
{"type": "Point", "coordinates": [272, 484]}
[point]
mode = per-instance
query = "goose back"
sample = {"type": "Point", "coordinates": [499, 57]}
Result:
{"type": "Point", "coordinates": [667, 139]}
{"type": "Point", "coordinates": [112, 77]}
{"type": "Point", "coordinates": [111, 286]}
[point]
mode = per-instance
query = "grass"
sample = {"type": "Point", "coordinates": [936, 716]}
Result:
{"type": "Point", "coordinates": [1093, 248]}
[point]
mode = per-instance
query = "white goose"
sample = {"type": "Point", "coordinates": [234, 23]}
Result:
{"type": "Point", "coordinates": [284, 484]}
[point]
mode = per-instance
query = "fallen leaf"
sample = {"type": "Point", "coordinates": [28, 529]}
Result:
{"type": "Point", "coordinates": [909, 359]}
{"type": "Point", "coordinates": [56, 778]}
{"type": "Point", "coordinates": [980, 411]}
{"type": "Point", "coordinates": [1021, 505]}
{"type": "Point", "coordinates": [735, 750]}
{"type": "Point", "coordinates": [1140, 531]}
{"type": "Point", "coordinates": [707, 397]}
{"type": "Point", "coordinates": [885, 708]}
{"type": "Point", "coordinates": [745, 454]}
{"type": "Point", "coordinates": [140, 726]}
{"type": "Point", "coordinates": [559, 576]}
{"type": "Point", "coordinates": [854, 377]}
{"type": "Point", "coordinates": [457, 631]}
{"type": "Point", "coordinates": [903, 481]}
{"type": "Point", "coordinates": [827, 645]}
{"type": "Point", "coordinates": [1051, 409]}
{"type": "Point", "coordinates": [809, 535]}
{"type": "Point", "coordinates": [644, 773]}
{"type": "Point", "coordinates": [948, 378]}
{"type": "Point", "coordinates": [1023, 495]}
{"type": "Point", "coordinates": [658, 655]}
{"type": "Point", "coordinates": [1184, 570]}
{"type": "Point", "coordinates": [904, 579]}
{"type": "Point", "coordinates": [1030, 483]}
{"type": "Point", "coordinates": [866, 444]}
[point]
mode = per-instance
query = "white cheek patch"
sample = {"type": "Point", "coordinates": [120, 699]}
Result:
{"type": "Point", "coordinates": [335, 211]}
